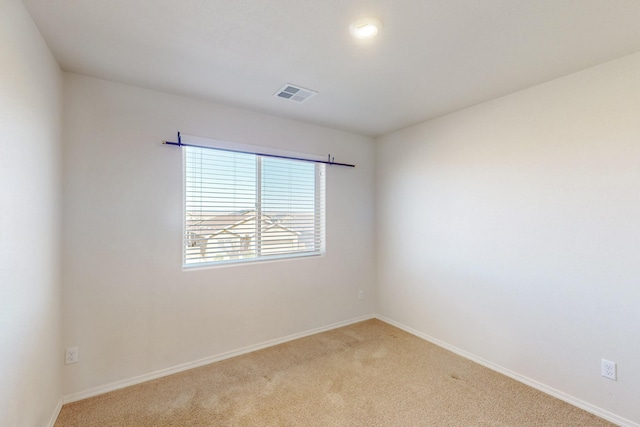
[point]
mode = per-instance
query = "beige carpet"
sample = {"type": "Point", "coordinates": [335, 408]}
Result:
{"type": "Point", "coordinates": [366, 374]}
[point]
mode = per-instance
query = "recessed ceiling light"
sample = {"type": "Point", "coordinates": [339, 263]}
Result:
{"type": "Point", "coordinates": [365, 28]}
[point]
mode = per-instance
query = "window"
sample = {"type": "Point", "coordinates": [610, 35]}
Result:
{"type": "Point", "coordinates": [242, 207]}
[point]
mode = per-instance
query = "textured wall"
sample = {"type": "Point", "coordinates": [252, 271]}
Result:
{"type": "Point", "coordinates": [510, 231]}
{"type": "Point", "coordinates": [128, 304]}
{"type": "Point", "coordinates": [30, 120]}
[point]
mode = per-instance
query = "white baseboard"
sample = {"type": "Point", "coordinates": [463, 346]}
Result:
{"type": "Point", "coordinates": [207, 360]}
{"type": "Point", "coordinates": [623, 422]}
{"type": "Point", "coordinates": [55, 414]}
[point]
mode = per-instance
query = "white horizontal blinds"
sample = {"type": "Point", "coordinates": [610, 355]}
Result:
{"type": "Point", "coordinates": [243, 206]}
{"type": "Point", "coordinates": [220, 204]}
{"type": "Point", "coordinates": [291, 221]}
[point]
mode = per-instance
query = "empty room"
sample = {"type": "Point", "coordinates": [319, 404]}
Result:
{"type": "Point", "coordinates": [320, 213]}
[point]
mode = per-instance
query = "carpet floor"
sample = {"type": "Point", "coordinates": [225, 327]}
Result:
{"type": "Point", "coordinates": [365, 374]}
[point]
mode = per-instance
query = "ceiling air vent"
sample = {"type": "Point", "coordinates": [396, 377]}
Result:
{"type": "Point", "coordinates": [294, 93]}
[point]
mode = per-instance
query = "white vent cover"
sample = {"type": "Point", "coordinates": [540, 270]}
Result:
{"type": "Point", "coordinates": [294, 93]}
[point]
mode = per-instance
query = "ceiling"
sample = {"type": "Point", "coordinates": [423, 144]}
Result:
{"type": "Point", "coordinates": [431, 58]}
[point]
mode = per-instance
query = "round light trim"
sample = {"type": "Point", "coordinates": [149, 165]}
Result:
{"type": "Point", "coordinates": [365, 28]}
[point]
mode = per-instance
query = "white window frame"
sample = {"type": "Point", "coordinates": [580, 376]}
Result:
{"type": "Point", "coordinates": [319, 214]}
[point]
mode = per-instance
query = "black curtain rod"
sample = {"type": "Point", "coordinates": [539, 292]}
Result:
{"type": "Point", "coordinates": [329, 161]}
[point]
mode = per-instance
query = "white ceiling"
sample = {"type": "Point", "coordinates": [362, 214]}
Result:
{"type": "Point", "coordinates": [431, 58]}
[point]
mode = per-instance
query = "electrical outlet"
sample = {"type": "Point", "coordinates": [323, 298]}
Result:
{"type": "Point", "coordinates": [608, 369]}
{"type": "Point", "coordinates": [361, 294]}
{"type": "Point", "coordinates": [71, 355]}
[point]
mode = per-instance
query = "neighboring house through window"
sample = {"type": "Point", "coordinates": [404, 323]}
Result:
{"type": "Point", "coordinates": [241, 207]}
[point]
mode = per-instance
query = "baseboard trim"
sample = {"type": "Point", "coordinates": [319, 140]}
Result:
{"type": "Point", "coordinates": [623, 422]}
{"type": "Point", "coordinates": [56, 412]}
{"type": "Point", "coordinates": [74, 397]}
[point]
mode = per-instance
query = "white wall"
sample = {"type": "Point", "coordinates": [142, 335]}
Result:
{"type": "Point", "coordinates": [511, 230]}
{"type": "Point", "coordinates": [127, 303]}
{"type": "Point", "coordinates": [30, 119]}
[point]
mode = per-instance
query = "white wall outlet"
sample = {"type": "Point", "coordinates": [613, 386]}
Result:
{"type": "Point", "coordinates": [608, 369]}
{"type": "Point", "coordinates": [361, 294]}
{"type": "Point", "coordinates": [71, 355]}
